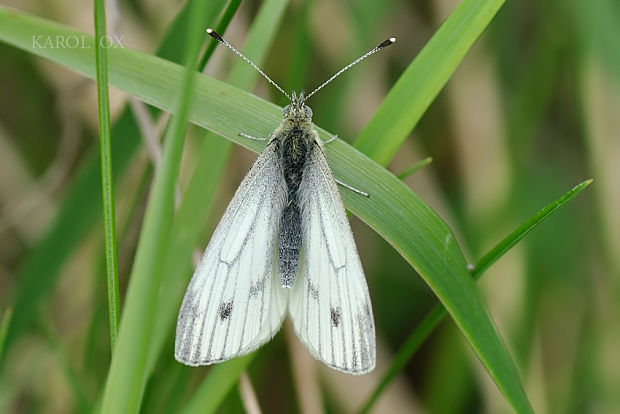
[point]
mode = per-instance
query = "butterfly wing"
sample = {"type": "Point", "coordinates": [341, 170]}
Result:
{"type": "Point", "coordinates": [329, 303]}
{"type": "Point", "coordinates": [234, 303]}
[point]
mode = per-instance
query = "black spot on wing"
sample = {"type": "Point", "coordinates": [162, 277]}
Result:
{"type": "Point", "coordinates": [225, 310]}
{"type": "Point", "coordinates": [336, 316]}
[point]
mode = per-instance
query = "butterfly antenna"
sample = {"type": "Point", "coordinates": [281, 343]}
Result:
{"type": "Point", "coordinates": [220, 39]}
{"type": "Point", "coordinates": [383, 45]}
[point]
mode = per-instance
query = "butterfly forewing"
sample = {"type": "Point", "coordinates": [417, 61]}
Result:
{"type": "Point", "coordinates": [329, 304]}
{"type": "Point", "coordinates": [233, 303]}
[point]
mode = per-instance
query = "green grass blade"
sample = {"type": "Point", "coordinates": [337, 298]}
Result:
{"type": "Point", "coordinates": [227, 16]}
{"type": "Point", "coordinates": [125, 382]}
{"type": "Point", "coordinates": [415, 167]}
{"type": "Point", "coordinates": [107, 182]}
{"type": "Point", "coordinates": [436, 315]}
{"type": "Point", "coordinates": [393, 210]}
{"type": "Point", "coordinates": [80, 207]}
{"type": "Point", "coordinates": [4, 328]}
{"type": "Point", "coordinates": [513, 238]}
{"type": "Point", "coordinates": [215, 387]}
{"type": "Point", "coordinates": [418, 86]}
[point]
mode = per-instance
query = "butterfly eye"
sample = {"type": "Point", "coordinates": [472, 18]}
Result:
{"type": "Point", "coordinates": [286, 110]}
{"type": "Point", "coordinates": [308, 111]}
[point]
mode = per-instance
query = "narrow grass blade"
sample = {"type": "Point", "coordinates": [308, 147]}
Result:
{"type": "Point", "coordinates": [4, 327]}
{"type": "Point", "coordinates": [80, 207]}
{"type": "Point", "coordinates": [513, 238]}
{"type": "Point", "coordinates": [415, 167]}
{"type": "Point", "coordinates": [215, 387]}
{"type": "Point", "coordinates": [227, 16]}
{"type": "Point", "coordinates": [393, 211]}
{"type": "Point", "coordinates": [418, 86]}
{"type": "Point", "coordinates": [436, 315]}
{"type": "Point", "coordinates": [107, 182]}
{"type": "Point", "coordinates": [125, 382]}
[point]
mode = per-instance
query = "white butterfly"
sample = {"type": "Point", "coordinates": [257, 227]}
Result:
{"type": "Point", "coordinates": [283, 245]}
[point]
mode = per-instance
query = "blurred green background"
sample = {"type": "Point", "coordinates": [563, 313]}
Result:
{"type": "Point", "coordinates": [532, 110]}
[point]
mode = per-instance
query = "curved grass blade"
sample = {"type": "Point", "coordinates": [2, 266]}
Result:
{"type": "Point", "coordinates": [393, 211]}
{"type": "Point", "coordinates": [513, 238]}
{"type": "Point", "coordinates": [418, 86]}
{"type": "Point", "coordinates": [436, 315]}
{"type": "Point", "coordinates": [107, 181]}
{"type": "Point", "coordinates": [415, 167]}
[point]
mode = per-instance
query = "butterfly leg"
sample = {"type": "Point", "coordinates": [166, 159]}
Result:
{"type": "Point", "coordinates": [355, 190]}
{"type": "Point", "coordinates": [332, 139]}
{"type": "Point", "coordinates": [252, 137]}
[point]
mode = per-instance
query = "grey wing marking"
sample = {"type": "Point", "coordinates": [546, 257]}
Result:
{"type": "Point", "coordinates": [233, 303]}
{"type": "Point", "coordinates": [329, 303]}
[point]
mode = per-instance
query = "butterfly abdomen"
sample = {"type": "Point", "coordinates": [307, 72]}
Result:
{"type": "Point", "coordinates": [293, 147]}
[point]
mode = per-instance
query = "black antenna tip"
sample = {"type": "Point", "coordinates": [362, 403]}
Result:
{"type": "Point", "coordinates": [387, 43]}
{"type": "Point", "coordinates": [214, 35]}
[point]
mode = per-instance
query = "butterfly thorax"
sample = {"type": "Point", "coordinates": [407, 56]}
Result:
{"type": "Point", "coordinates": [294, 140]}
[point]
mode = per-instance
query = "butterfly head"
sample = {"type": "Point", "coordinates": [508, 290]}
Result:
{"type": "Point", "coordinates": [297, 112]}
